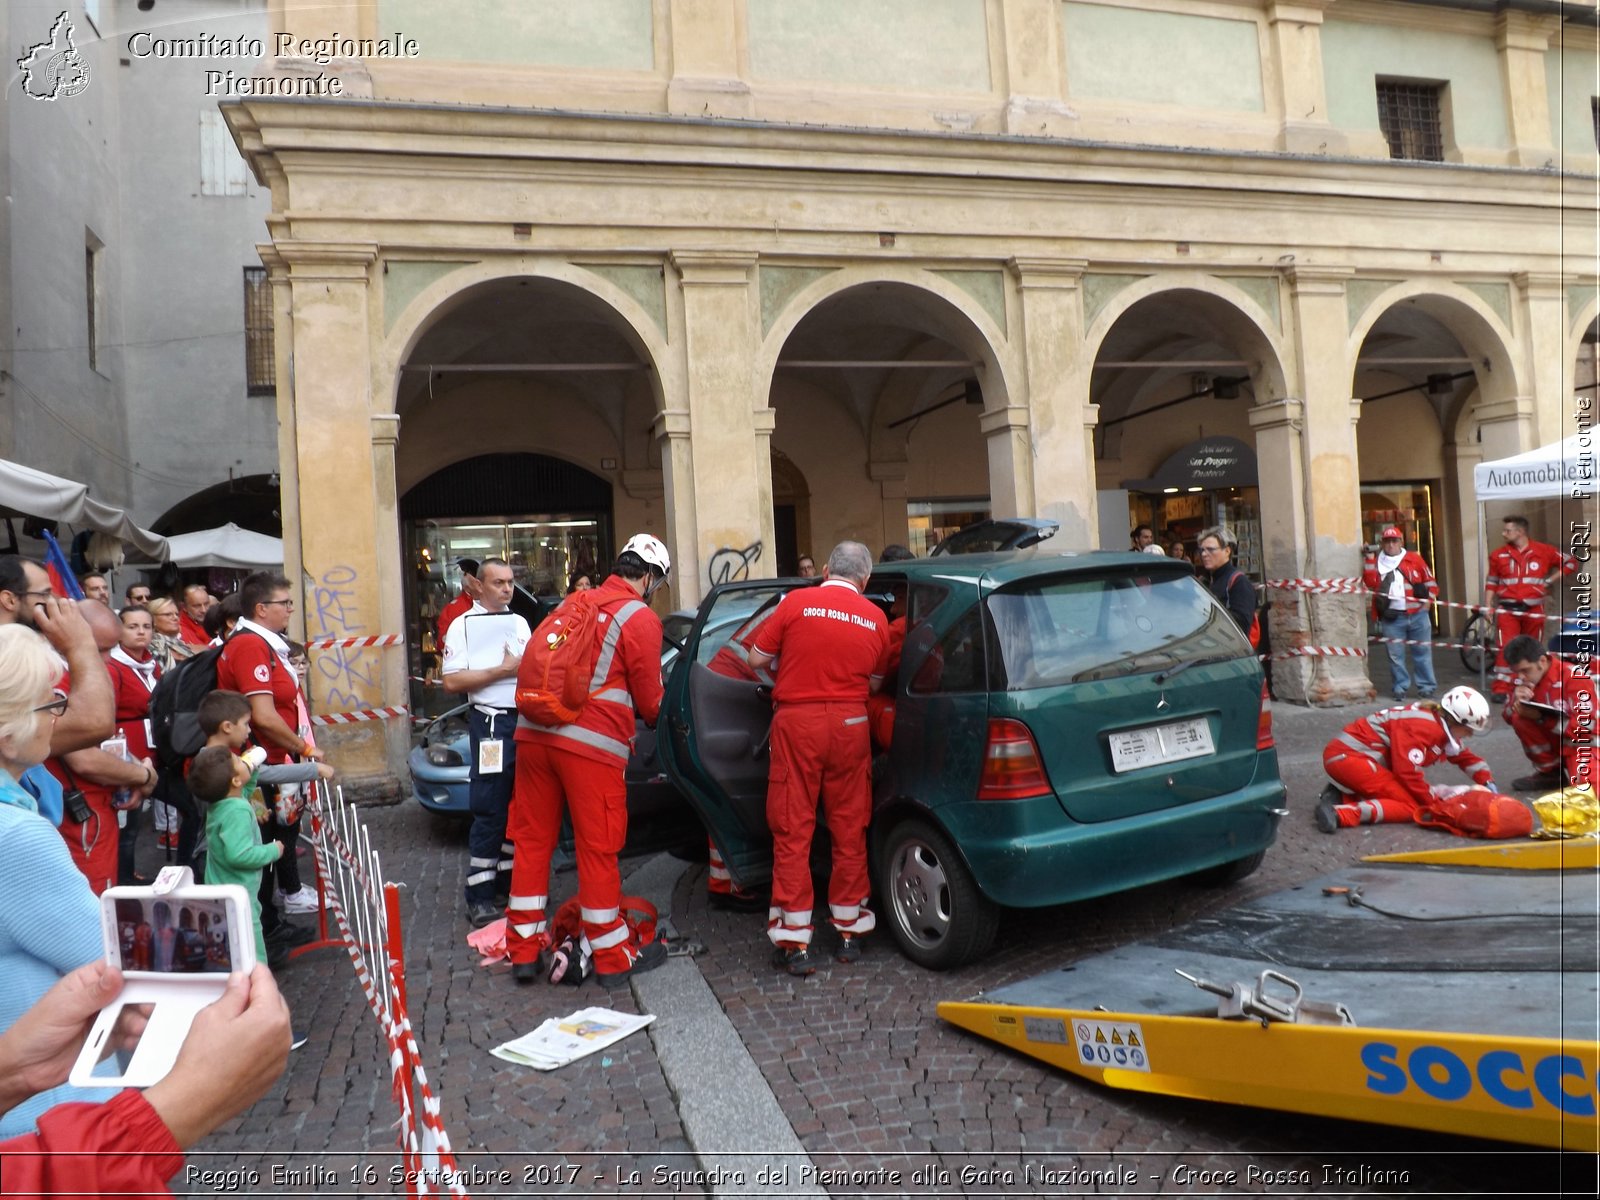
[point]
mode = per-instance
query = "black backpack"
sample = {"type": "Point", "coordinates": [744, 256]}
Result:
{"type": "Point", "coordinates": [175, 706]}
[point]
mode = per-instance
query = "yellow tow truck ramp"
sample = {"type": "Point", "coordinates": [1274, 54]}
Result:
{"type": "Point", "coordinates": [1458, 998]}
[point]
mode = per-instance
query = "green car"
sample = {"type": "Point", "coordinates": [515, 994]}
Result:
{"type": "Point", "coordinates": [1065, 725]}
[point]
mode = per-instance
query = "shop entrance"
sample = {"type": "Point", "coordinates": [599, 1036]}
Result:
{"type": "Point", "coordinates": [1208, 482]}
{"type": "Point", "coordinates": [549, 520]}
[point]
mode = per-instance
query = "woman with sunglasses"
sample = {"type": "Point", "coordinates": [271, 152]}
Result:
{"type": "Point", "coordinates": [1227, 582]}
{"type": "Point", "coordinates": [167, 642]}
{"type": "Point", "coordinates": [49, 919]}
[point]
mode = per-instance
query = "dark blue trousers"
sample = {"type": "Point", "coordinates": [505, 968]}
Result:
{"type": "Point", "coordinates": [489, 853]}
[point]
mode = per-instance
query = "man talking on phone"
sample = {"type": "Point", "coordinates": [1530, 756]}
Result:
{"type": "Point", "coordinates": [481, 657]}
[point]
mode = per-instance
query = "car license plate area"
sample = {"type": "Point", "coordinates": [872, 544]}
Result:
{"type": "Point", "coordinates": [1160, 744]}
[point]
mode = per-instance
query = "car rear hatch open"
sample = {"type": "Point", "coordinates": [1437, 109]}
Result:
{"type": "Point", "coordinates": [1140, 690]}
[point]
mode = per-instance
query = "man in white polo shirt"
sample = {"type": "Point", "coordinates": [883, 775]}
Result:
{"type": "Point", "coordinates": [482, 650]}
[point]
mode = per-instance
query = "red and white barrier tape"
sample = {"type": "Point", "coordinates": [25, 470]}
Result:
{"type": "Point", "coordinates": [1351, 587]}
{"type": "Point", "coordinates": [355, 643]}
{"type": "Point", "coordinates": [1356, 587]}
{"type": "Point", "coordinates": [362, 714]}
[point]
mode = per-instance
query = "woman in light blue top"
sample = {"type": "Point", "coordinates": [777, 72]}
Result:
{"type": "Point", "coordinates": [49, 919]}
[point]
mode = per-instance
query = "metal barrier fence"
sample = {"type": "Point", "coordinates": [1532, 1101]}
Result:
{"type": "Point", "coordinates": [363, 911]}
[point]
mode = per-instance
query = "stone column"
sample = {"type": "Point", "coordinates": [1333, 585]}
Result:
{"type": "Point", "coordinates": [393, 662]}
{"type": "Point", "coordinates": [1465, 584]}
{"type": "Point", "coordinates": [288, 455]}
{"type": "Point", "coordinates": [671, 429]}
{"type": "Point", "coordinates": [1294, 66]}
{"type": "Point", "coordinates": [1505, 427]}
{"type": "Point", "coordinates": [728, 469]}
{"type": "Point", "coordinates": [1543, 300]}
{"type": "Point", "coordinates": [1311, 497]}
{"type": "Point", "coordinates": [1060, 461]}
{"type": "Point", "coordinates": [1523, 41]}
{"type": "Point", "coordinates": [341, 525]}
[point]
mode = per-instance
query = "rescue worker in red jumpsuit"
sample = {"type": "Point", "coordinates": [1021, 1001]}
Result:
{"type": "Point", "coordinates": [580, 766]}
{"type": "Point", "coordinates": [1558, 737]}
{"type": "Point", "coordinates": [1376, 763]}
{"type": "Point", "coordinates": [1520, 575]}
{"type": "Point", "coordinates": [833, 642]}
{"type": "Point", "coordinates": [733, 661]}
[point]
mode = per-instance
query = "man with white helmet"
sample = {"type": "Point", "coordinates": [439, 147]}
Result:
{"type": "Point", "coordinates": [579, 765]}
{"type": "Point", "coordinates": [1376, 763]}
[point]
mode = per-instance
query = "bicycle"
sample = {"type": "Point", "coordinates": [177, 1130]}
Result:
{"type": "Point", "coordinates": [1478, 642]}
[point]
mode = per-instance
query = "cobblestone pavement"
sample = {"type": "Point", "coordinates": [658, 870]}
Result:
{"type": "Point", "coordinates": [869, 1078]}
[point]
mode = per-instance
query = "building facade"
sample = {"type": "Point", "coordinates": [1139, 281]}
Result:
{"type": "Point", "coordinates": [758, 275]}
{"type": "Point", "coordinates": [127, 245]}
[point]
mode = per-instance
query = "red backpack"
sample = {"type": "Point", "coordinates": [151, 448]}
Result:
{"type": "Point", "coordinates": [1477, 813]}
{"type": "Point", "coordinates": [553, 680]}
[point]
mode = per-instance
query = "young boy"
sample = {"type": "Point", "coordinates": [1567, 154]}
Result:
{"type": "Point", "coordinates": [224, 717]}
{"type": "Point", "coordinates": [236, 853]}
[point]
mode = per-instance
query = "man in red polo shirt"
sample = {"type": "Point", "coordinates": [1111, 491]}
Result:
{"type": "Point", "coordinates": [832, 645]}
{"type": "Point", "coordinates": [1553, 713]}
{"type": "Point", "coordinates": [192, 615]}
{"type": "Point", "coordinates": [1520, 575]}
{"type": "Point", "coordinates": [255, 662]}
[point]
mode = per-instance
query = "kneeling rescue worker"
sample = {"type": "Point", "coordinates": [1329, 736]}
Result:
{"type": "Point", "coordinates": [580, 765]}
{"type": "Point", "coordinates": [830, 642]}
{"type": "Point", "coordinates": [1376, 763]}
{"type": "Point", "coordinates": [1553, 713]}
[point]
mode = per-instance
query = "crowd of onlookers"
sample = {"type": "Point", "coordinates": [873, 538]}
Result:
{"type": "Point", "coordinates": [78, 773]}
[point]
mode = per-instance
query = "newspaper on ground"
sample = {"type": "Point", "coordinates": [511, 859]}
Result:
{"type": "Point", "coordinates": [561, 1040]}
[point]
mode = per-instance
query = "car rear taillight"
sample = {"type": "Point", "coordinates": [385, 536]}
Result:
{"type": "Point", "coordinates": [1011, 766]}
{"type": "Point", "coordinates": [1264, 725]}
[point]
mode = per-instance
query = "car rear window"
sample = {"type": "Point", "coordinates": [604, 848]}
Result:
{"type": "Point", "coordinates": [1061, 630]}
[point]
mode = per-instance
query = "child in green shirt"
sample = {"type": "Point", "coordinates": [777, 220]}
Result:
{"type": "Point", "coordinates": [236, 854]}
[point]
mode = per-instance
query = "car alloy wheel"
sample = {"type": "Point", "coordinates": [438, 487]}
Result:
{"type": "Point", "coordinates": [936, 912]}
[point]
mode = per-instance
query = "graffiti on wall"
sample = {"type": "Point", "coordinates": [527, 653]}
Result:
{"type": "Point", "coordinates": [728, 564]}
{"type": "Point", "coordinates": [349, 677]}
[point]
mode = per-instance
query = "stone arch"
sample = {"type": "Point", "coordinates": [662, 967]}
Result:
{"type": "Point", "coordinates": [974, 332]}
{"type": "Point", "coordinates": [581, 437]}
{"type": "Point", "coordinates": [436, 302]}
{"type": "Point", "coordinates": [1468, 318]}
{"type": "Point", "coordinates": [1257, 330]}
{"type": "Point", "coordinates": [1573, 342]}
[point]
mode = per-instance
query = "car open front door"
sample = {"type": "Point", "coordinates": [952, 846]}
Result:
{"type": "Point", "coordinates": [718, 715]}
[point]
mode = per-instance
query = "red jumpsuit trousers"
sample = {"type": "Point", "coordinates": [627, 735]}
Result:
{"type": "Point", "coordinates": [819, 747]}
{"type": "Point", "coordinates": [1547, 749]}
{"type": "Point", "coordinates": [594, 793]}
{"type": "Point", "coordinates": [1379, 795]}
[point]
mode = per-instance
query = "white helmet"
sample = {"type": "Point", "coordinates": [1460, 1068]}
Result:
{"type": "Point", "coordinates": [651, 551]}
{"type": "Point", "coordinates": [1468, 706]}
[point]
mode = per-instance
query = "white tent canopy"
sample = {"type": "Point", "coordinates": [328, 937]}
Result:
{"type": "Point", "coordinates": [226, 546]}
{"type": "Point", "coordinates": [1564, 468]}
{"type": "Point", "coordinates": [49, 497]}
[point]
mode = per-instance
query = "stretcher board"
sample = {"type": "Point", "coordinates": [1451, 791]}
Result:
{"type": "Point", "coordinates": [1482, 1023]}
{"type": "Point", "coordinates": [1553, 854]}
